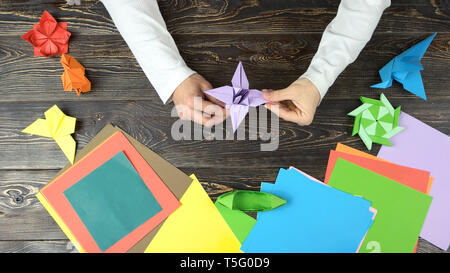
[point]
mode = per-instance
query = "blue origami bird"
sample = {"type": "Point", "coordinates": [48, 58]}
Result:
{"type": "Point", "coordinates": [405, 68]}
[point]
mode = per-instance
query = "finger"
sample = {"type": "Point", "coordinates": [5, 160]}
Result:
{"type": "Point", "coordinates": [215, 101]}
{"type": "Point", "coordinates": [198, 117]}
{"type": "Point", "coordinates": [214, 120]}
{"type": "Point", "coordinates": [208, 107]}
{"type": "Point", "coordinates": [279, 95]}
{"type": "Point", "coordinates": [207, 86]}
{"type": "Point", "coordinates": [209, 121]}
{"type": "Point", "coordinates": [283, 111]}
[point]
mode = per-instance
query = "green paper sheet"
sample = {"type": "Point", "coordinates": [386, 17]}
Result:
{"type": "Point", "coordinates": [250, 200]}
{"type": "Point", "coordinates": [239, 222]}
{"type": "Point", "coordinates": [112, 201]}
{"type": "Point", "coordinates": [401, 209]}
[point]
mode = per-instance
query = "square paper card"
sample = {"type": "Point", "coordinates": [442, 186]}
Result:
{"type": "Point", "coordinates": [113, 195]}
{"type": "Point", "coordinates": [111, 198]}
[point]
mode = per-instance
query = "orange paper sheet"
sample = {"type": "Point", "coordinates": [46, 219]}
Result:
{"type": "Point", "coordinates": [349, 150]}
{"type": "Point", "coordinates": [413, 178]}
{"type": "Point", "coordinates": [73, 76]}
{"type": "Point", "coordinates": [54, 195]}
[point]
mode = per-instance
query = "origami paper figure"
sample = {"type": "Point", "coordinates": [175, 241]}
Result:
{"type": "Point", "coordinates": [57, 126]}
{"type": "Point", "coordinates": [73, 76]}
{"type": "Point", "coordinates": [48, 37]}
{"type": "Point", "coordinates": [405, 68]}
{"type": "Point", "coordinates": [376, 121]}
{"type": "Point", "coordinates": [73, 2]}
{"type": "Point", "coordinates": [238, 97]}
{"type": "Point", "coordinates": [250, 200]}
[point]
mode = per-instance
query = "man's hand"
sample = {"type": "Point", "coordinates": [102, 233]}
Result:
{"type": "Point", "coordinates": [206, 110]}
{"type": "Point", "coordinates": [296, 103]}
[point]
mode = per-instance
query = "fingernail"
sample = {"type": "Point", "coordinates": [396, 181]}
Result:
{"type": "Point", "coordinates": [266, 94]}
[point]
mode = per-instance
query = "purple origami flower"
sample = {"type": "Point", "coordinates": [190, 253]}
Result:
{"type": "Point", "coordinates": [239, 97]}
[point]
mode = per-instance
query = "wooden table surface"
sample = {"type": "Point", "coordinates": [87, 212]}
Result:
{"type": "Point", "coordinates": [274, 39]}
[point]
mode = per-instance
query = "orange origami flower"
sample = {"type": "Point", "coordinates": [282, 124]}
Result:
{"type": "Point", "coordinates": [73, 76]}
{"type": "Point", "coordinates": [48, 37]}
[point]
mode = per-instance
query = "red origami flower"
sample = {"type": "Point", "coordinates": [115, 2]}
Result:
{"type": "Point", "coordinates": [48, 37]}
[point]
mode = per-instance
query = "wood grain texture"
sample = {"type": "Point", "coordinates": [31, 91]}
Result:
{"type": "Point", "coordinates": [55, 246]}
{"type": "Point", "coordinates": [274, 39]}
{"type": "Point", "coordinates": [150, 123]}
{"type": "Point", "coordinates": [227, 16]}
{"type": "Point", "coordinates": [115, 74]}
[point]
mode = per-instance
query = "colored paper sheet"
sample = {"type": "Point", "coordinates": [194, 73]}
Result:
{"type": "Point", "coordinates": [250, 201]}
{"type": "Point", "coordinates": [53, 193]}
{"type": "Point", "coordinates": [349, 150]}
{"type": "Point", "coordinates": [102, 200]}
{"type": "Point", "coordinates": [238, 97]}
{"type": "Point", "coordinates": [48, 37]}
{"type": "Point", "coordinates": [376, 121]}
{"type": "Point", "coordinates": [405, 68]}
{"type": "Point", "coordinates": [316, 218]}
{"type": "Point", "coordinates": [196, 226]}
{"type": "Point", "coordinates": [421, 146]}
{"type": "Point", "coordinates": [239, 222]}
{"type": "Point", "coordinates": [177, 181]}
{"type": "Point", "coordinates": [58, 126]}
{"type": "Point", "coordinates": [73, 76]}
{"type": "Point", "coordinates": [373, 210]}
{"type": "Point", "coordinates": [413, 178]}
{"type": "Point", "coordinates": [401, 209]}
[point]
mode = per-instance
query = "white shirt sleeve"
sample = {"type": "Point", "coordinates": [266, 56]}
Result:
{"type": "Point", "coordinates": [142, 27]}
{"type": "Point", "coordinates": [343, 40]}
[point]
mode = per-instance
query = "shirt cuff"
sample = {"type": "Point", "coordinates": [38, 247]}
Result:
{"type": "Point", "coordinates": [318, 80]}
{"type": "Point", "coordinates": [176, 78]}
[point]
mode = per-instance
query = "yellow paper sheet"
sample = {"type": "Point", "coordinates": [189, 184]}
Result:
{"type": "Point", "coordinates": [195, 227]}
{"type": "Point", "coordinates": [59, 221]}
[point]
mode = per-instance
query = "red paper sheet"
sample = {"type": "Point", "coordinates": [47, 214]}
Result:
{"type": "Point", "coordinates": [116, 143]}
{"type": "Point", "coordinates": [413, 178]}
{"type": "Point", "coordinates": [349, 150]}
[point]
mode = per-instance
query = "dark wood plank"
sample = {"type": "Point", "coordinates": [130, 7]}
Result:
{"type": "Point", "coordinates": [227, 16]}
{"type": "Point", "coordinates": [115, 74]}
{"type": "Point", "coordinates": [272, 38]}
{"type": "Point", "coordinates": [425, 247]}
{"type": "Point", "coordinates": [55, 246]}
{"type": "Point", "coordinates": [305, 147]}
{"type": "Point", "coordinates": [290, 16]}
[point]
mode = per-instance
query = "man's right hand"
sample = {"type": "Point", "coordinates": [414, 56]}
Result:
{"type": "Point", "coordinates": [192, 103]}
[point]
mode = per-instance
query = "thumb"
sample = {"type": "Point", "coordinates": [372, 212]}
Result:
{"type": "Point", "coordinates": [278, 95]}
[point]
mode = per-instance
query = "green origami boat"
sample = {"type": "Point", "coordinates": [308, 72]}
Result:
{"type": "Point", "coordinates": [250, 201]}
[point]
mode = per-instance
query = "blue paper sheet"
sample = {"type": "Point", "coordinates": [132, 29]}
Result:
{"type": "Point", "coordinates": [316, 218]}
{"type": "Point", "coordinates": [405, 68]}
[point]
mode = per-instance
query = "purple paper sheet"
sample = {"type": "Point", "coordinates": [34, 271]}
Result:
{"type": "Point", "coordinates": [423, 147]}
